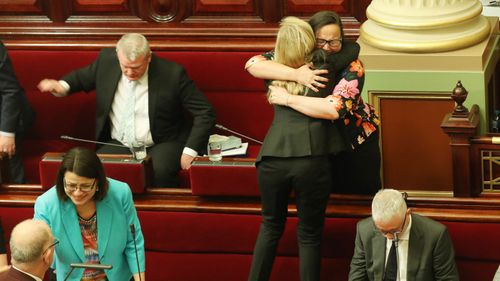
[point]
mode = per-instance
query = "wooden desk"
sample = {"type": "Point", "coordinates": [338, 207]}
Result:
{"type": "Point", "coordinates": [229, 177]}
{"type": "Point", "coordinates": [120, 167]}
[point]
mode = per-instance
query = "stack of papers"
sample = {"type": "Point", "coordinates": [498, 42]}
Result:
{"type": "Point", "coordinates": [242, 150]}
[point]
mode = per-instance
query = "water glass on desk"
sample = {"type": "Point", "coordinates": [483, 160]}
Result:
{"type": "Point", "coordinates": [214, 151]}
{"type": "Point", "coordinates": [138, 151]}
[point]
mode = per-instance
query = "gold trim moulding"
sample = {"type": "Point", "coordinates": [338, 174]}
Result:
{"type": "Point", "coordinates": [422, 18]}
{"type": "Point", "coordinates": [425, 41]}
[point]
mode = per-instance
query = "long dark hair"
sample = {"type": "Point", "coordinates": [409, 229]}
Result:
{"type": "Point", "coordinates": [322, 18]}
{"type": "Point", "coordinates": [85, 163]}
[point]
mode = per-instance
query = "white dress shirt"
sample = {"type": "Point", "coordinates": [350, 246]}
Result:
{"type": "Point", "coordinates": [142, 129]}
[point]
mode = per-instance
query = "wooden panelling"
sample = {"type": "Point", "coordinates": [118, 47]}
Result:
{"type": "Point", "coordinates": [224, 6]}
{"type": "Point", "coordinates": [102, 6]}
{"type": "Point", "coordinates": [170, 24]}
{"type": "Point", "coordinates": [176, 200]}
{"type": "Point", "coordinates": [304, 7]}
{"type": "Point", "coordinates": [20, 6]}
{"type": "Point", "coordinates": [415, 151]}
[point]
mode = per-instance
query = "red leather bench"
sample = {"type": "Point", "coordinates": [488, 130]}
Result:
{"type": "Point", "coordinates": [238, 98]}
{"type": "Point", "coordinates": [190, 246]}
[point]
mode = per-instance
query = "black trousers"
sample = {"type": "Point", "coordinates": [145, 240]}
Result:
{"type": "Point", "coordinates": [310, 179]}
{"type": "Point", "coordinates": [15, 163]}
{"type": "Point", "coordinates": [358, 171]}
{"type": "Point", "coordinates": [165, 156]}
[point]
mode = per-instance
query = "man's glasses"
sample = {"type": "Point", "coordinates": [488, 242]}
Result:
{"type": "Point", "coordinates": [51, 245]}
{"type": "Point", "coordinates": [72, 187]}
{"type": "Point", "coordinates": [395, 231]}
{"type": "Point", "coordinates": [332, 43]}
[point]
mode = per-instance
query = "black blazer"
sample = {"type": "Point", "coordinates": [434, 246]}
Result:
{"type": "Point", "coordinates": [293, 134]}
{"type": "Point", "coordinates": [171, 92]}
{"type": "Point", "coordinates": [16, 114]}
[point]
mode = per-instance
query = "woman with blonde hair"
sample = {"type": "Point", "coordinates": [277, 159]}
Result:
{"type": "Point", "coordinates": [294, 157]}
{"type": "Point", "coordinates": [357, 169]}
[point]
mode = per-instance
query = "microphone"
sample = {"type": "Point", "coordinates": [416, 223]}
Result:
{"type": "Point", "coordinates": [132, 229]}
{"type": "Point", "coordinates": [91, 266]}
{"type": "Point", "coordinates": [92, 141]}
{"type": "Point", "coordinates": [86, 265]}
{"type": "Point", "coordinates": [218, 126]}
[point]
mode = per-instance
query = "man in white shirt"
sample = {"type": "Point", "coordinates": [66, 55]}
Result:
{"type": "Point", "coordinates": [142, 100]}
{"type": "Point", "coordinates": [422, 251]}
{"type": "Point", "coordinates": [32, 251]}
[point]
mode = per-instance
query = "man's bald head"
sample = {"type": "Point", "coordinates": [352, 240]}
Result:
{"type": "Point", "coordinates": [28, 241]}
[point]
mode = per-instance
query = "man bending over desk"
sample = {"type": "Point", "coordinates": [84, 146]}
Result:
{"type": "Point", "coordinates": [394, 244]}
{"type": "Point", "coordinates": [141, 100]}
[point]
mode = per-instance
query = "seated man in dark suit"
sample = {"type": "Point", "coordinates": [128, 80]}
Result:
{"type": "Point", "coordinates": [16, 115]}
{"type": "Point", "coordinates": [32, 251]}
{"type": "Point", "coordinates": [141, 100]}
{"type": "Point", "coordinates": [395, 244]}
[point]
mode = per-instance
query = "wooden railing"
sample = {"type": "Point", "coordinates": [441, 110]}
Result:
{"type": "Point", "coordinates": [485, 156]}
{"type": "Point", "coordinates": [476, 159]}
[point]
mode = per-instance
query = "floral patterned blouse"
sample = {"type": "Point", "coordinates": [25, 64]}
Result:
{"type": "Point", "coordinates": [360, 119]}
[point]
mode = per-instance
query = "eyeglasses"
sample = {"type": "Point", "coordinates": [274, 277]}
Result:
{"type": "Point", "coordinates": [72, 187]}
{"type": "Point", "coordinates": [396, 231]}
{"type": "Point", "coordinates": [51, 245]}
{"type": "Point", "coordinates": [332, 43]}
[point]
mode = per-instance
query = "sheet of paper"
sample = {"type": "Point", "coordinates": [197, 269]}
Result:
{"type": "Point", "coordinates": [242, 150]}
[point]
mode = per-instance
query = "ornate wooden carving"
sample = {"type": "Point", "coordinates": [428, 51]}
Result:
{"type": "Point", "coordinates": [460, 129]}
{"type": "Point", "coordinates": [172, 24]}
{"type": "Point", "coordinates": [164, 11]}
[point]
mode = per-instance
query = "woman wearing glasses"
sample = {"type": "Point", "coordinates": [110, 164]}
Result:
{"type": "Point", "coordinates": [91, 215]}
{"type": "Point", "coordinates": [357, 169]}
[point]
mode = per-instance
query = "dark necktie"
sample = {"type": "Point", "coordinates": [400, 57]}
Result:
{"type": "Point", "coordinates": [391, 268]}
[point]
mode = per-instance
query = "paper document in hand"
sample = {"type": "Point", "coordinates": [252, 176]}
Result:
{"type": "Point", "coordinates": [242, 150]}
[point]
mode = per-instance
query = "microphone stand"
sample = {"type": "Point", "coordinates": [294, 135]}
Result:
{"type": "Point", "coordinates": [69, 273]}
{"type": "Point", "coordinates": [132, 229]}
{"type": "Point", "coordinates": [91, 141]}
{"type": "Point", "coordinates": [218, 126]}
{"type": "Point", "coordinates": [86, 265]}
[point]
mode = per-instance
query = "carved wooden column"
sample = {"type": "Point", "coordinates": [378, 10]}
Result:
{"type": "Point", "coordinates": [460, 126]}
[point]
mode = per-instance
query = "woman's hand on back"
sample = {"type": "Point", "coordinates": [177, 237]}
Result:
{"type": "Point", "coordinates": [311, 78]}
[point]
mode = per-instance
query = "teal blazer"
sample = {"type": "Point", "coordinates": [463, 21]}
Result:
{"type": "Point", "coordinates": [115, 214]}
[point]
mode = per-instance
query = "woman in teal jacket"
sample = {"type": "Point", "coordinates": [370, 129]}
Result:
{"type": "Point", "coordinates": [91, 216]}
